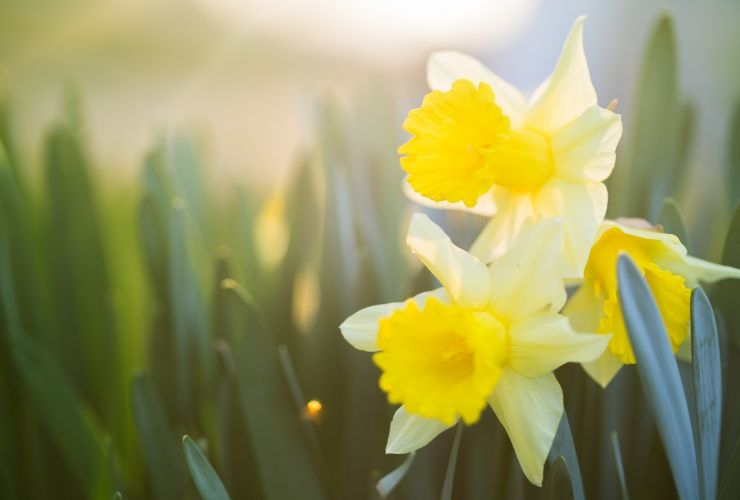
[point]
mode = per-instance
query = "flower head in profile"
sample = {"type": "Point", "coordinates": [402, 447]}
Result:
{"type": "Point", "coordinates": [670, 273]}
{"type": "Point", "coordinates": [477, 144]}
{"type": "Point", "coordinates": [491, 336]}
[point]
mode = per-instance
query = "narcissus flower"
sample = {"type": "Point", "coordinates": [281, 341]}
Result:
{"type": "Point", "coordinates": [491, 336]}
{"type": "Point", "coordinates": [669, 272]}
{"type": "Point", "coordinates": [477, 144]}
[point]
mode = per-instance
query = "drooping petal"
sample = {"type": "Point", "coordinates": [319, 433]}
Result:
{"type": "Point", "coordinates": [528, 278]}
{"type": "Point", "coordinates": [696, 270]}
{"type": "Point", "coordinates": [410, 432]}
{"type": "Point", "coordinates": [530, 410]}
{"type": "Point", "coordinates": [568, 91]}
{"type": "Point", "coordinates": [361, 329]}
{"type": "Point", "coordinates": [515, 217]}
{"type": "Point", "coordinates": [584, 149]}
{"type": "Point", "coordinates": [485, 205]}
{"type": "Point", "coordinates": [582, 207]}
{"type": "Point", "coordinates": [463, 276]}
{"type": "Point", "coordinates": [545, 342]}
{"type": "Point", "coordinates": [445, 67]}
{"type": "Point", "coordinates": [603, 369]}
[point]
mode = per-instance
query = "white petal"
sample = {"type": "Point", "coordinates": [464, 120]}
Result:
{"type": "Point", "coordinates": [582, 207]}
{"type": "Point", "coordinates": [361, 329]}
{"type": "Point", "coordinates": [584, 149]}
{"type": "Point", "coordinates": [530, 410]}
{"type": "Point", "coordinates": [528, 278]}
{"type": "Point", "coordinates": [584, 309]}
{"type": "Point", "coordinates": [545, 342]}
{"type": "Point", "coordinates": [604, 368]}
{"type": "Point", "coordinates": [464, 277]}
{"type": "Point", "coordinates": [410, 432]}
{"type": "Point", "coordinates": [568, 91]}
{"type": "Point", "coordinates": [484, 206]}
{"type": "Point", "coordinates": [515, 217]}
{"type": "Point", "coordinates": [696, 270]}
{"type": "Point", "coordinates": [447, 66]}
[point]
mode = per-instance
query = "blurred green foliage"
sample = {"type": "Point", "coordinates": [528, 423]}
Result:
{"type": "Point", "coordinates": [131, 316]}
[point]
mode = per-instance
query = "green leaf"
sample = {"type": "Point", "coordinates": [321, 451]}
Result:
{"type": "Point", "coordinates": [734, 157]}
{"type": "Point", "coordinates": [563, 446]}
{"type": "Point", "coordinates": [274, 425]}
{"type": "Point", "coordinates": [659, 375]}
{"type": "Point", "coordinates": [619, 465]}
{"type": "Point", "coordinates": [62, 416]}
{"type": "Point", "coordinates": [205, 478]}
{"type": "Point", "coordinates": [725, 294]}
{"type": "Point", "coordinates": [672, 222]}
{"type": "Point", "coordinates": [159, 444]}
{"type": "Point", "coordinates": [707, 389]}
{"type": "Point", "coordinates": [390, 481]}
{"type": "Point", "coordinates": [447, 486]}
{"type": "Point", "coordinates": [557, 486]}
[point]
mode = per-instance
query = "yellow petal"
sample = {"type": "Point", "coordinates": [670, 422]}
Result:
{"type": "Point", "coordinates": [584, 149]}
{"type": "Point", "coordinates": [361, 329]}
{"type": "Point", "coordinates": [528, 278]}
{"type": "Point", "coordinates": [545, 342]}
{"type": "Point", "coordinates": [568, 92]}
{"type": "Point", "coordinates": [584, 309]}
{"type": "Point", "coordinates": [484, 206]}
{"type": "Point", "coordinates": [445, 67]}
{"type": "Point", "coordinates": [604, 368]}
{"type": "Point", "coordinates": [582, 207]}
{"type": "Point", "coordinates": [410, 432]}
{"type": "Point", "coordinates": [696, 270]}
{"type": "Point", "coordinates": [462, 275]}
{"type": "Point", "coordinates": [530, 410]}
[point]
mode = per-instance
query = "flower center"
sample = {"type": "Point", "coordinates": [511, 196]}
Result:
{"type": "Point", "coordinates": [442, 361]}
{"type": "Point", "coordinates": [463, 144]}
{"type": "Point", "coordinates": [671, 294]}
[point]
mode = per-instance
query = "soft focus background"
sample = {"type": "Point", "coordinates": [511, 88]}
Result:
{"type": "Point", "coordinates": [196, 193]}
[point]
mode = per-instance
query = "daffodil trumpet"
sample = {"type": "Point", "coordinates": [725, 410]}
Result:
{"type": "Point", "coordinates": [477, 144]}
{"type": "Point", "coordinates": [490, 336]}
{"type": "Point", "coordinates": [670, 273]}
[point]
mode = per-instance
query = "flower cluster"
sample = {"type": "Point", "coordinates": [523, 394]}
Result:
{"type": "Point", "coordinates": [500, 323]}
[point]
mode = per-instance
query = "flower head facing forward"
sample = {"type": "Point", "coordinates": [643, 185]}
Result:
{"type": "Point", "coordinates": [478, 145]}
{"type": "Point", "coordinates": [669, 272]}
{"type": "Point", "coordinates": [490, 336]}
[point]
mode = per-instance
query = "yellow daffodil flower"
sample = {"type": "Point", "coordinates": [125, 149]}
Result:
{"type": "Point", "coordinates": [477, 144]}
{"type": "Point", "coordinates": [670, 274]}
{"type": "Point", "coordinates": [491, 336]}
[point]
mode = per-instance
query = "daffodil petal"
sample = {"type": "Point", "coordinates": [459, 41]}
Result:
{"type": "Point", "coordinates": [461, 274]}
{"type": "Point", "coordinates": [445, 67]}
{"type": "Point", "coordinates": [410, 432]}
{"type": "Point", "coordinates": [528, 278]}
{"type": "Point", "coordinates": [361, 329]}
{"type": "Point", "coordinates": [584, 309]}
{"type": "Point", "coordinates": [582, 207]}
{"type": "Point", "coordinates": [695, 270]}
{"type": "Point", "coordinates": [544, 342]}
{"type": "Point", "coordinates": [584, 149]}
{"type": "Point", "coordinates": [604, 368]}
{"type": "Point", "coordinates": [514, 218]}
{"type": "Point", "coordinates": [568, 91]}
{"type": "Point", "coordinates": [485, 205]}
{"type": "Point", "coordinates": [530, 410]}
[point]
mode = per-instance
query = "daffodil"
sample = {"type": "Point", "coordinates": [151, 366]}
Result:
{"type": "Point", "coordinates": [670, 273]}
{"type": "Point", "coordinates": [477, 144]}
{"type": "Point", "coordinates": [491, 336]}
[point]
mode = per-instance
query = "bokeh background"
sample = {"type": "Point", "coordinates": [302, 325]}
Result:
{"type": "Point", "coordinates": [196, 193]}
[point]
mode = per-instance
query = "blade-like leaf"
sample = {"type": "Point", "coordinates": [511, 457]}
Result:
{"type": "Point", "coordinates": [563, 446]}
{"type": "Point", "coordinates": [557, 485]}
{"type": "Point", "coordinates": [452, 465]}
{"type": "Point", "coordinates": [619, 465]}
{"type": "Point", "coordinates": [659, 375]}
{"type": "Point", "coordinates": [205, 478]}
{"type": "Point", "coordinates": [725, 294]}
{"type": "Point", "coordinates": [672, 221]}
{"type": "Point", "coordinates": [389, 482]}
{"type": "Point", "coordinates": [707, 388]}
